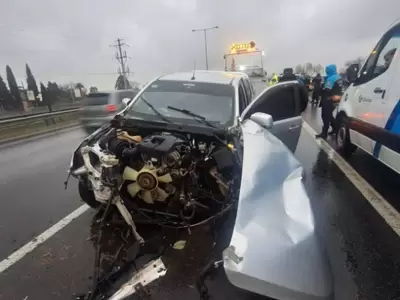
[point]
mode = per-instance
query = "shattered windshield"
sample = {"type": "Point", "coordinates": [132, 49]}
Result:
{"type": "Point", "coordinates": [214, 102]}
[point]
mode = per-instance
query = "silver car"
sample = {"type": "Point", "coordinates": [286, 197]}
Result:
{"type": "Point", "coordinates": [100, 107]}
{"type": "Point", "coordinates": [273, 250]}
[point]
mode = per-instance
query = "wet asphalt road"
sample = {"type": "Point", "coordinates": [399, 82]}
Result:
{"type": "Point", "coordinates": [31, 187]}
{"type": "Point", "coordinates": [363, 250]}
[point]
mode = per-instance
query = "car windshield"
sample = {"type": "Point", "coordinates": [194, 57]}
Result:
{"type": "Point", "coordinates": [214, 102]}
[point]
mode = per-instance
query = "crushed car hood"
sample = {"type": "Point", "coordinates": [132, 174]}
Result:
{"type": "Point", "coordinates": [274, 239]}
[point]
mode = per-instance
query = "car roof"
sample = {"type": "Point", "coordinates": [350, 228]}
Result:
{"type": "Point", "coordinates": [219, 77]}
{"type": "Point", "coordinates": [110, 92]}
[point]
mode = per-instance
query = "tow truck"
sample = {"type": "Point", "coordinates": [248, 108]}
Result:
{"type": "Point", "coordinates": [245, 57]}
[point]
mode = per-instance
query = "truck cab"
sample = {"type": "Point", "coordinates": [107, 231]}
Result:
{"type": "Point", "coordinates": [369, 111]}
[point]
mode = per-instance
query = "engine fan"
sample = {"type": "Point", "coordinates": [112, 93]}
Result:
{"type": "Point", "coordinates": [146, 184]}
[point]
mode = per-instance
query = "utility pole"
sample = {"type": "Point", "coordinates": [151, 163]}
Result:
{"type": "Point", "coordinates": [122, 58]}
{"type": "Point", "coordinates": [205, 40]}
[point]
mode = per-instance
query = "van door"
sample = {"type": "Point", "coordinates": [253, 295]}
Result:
{"type": "Point", "coordinates": [374, 97]}
{"type": "Point", "coordinates": [283, 102]}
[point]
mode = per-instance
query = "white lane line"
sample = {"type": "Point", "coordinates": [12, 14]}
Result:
{"type": "Point", "coordinates": [384, 209]}
{"type": "Point", "coordinates": [30, 246]}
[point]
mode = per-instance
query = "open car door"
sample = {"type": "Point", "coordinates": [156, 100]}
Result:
{"type": "Point", "coordinates": [274, 250]}
{"type": "Point", "coordinates": [284, 102]}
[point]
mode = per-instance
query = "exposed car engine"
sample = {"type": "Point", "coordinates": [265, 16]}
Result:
{"type": "Point", "coordinates": [169, 179]}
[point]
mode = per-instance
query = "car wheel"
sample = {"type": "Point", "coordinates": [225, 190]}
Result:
{"type": "Point", "coordinates": [343, 142]}
{"type": "Point", "coordinates": [87, 195]}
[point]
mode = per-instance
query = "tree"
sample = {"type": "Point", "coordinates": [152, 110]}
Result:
{"type": "Point", "coordinates": [12, 83]}
{"type": "Point", "coordinates": [46, 97]}
{"type": "Point", "coordinates": [318, 68]}
{"type": "Point", "coordinates": [120, 83]}
{"type": "Point", "coordinates": [299, 69]}
{"type": "Point", "coordinates": [6, 100]}
{"type": "Point", "coordinates": [359, 61]}
{"type": "Point", "coordinates": [30, 80]}
{"type": "Point", "coordinates": [53, 91]}
{"type": "Point", "coordinates": [93, 89]}
{"type": "Point", "coordinates": [308, 68]}
{"type": "Point", "coordinates": [135, 86]}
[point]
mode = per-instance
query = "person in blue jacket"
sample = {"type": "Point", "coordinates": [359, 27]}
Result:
{"type": "Point", "coordinates": [332, 90]}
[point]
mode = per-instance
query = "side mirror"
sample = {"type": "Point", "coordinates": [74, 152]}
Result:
{"type": "Point", "coordinates": [264, 120]}
{"type": "Point", "coordinates": [352, 73]}
{"type": "Point", "coordinates": [126, 101]}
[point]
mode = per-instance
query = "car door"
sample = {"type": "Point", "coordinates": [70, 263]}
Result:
{"type": "Point", "coordinates": [284, 102]}
{"type": "Point", "coordinates": [243, 101]}
{"type": "Point", "coordinates": [373, 86]}
{"type": "Point", "coordinates": [249, 89]}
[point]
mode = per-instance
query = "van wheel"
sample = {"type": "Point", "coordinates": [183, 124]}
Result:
{"type": "Point", "coordinates": [344, 145]}
{"type": "Point", "coordinates": [87, 195]}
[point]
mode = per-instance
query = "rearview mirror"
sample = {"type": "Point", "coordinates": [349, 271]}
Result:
{"type": "Point", "coordinates": [126, 101]}
{"type": "Point", "coordinates": [264, 120]}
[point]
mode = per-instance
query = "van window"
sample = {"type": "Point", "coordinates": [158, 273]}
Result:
{"type": "Point", "coordinates": [381, 57]}
{"type": "Point", "coordinates": [386, 56]}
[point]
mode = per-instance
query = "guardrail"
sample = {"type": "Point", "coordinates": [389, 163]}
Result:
{"type": "Point", "coordinates": [38, 116]}
{"type": "Point", "coordinates": [27, 126]}
{"type": "Point", "coordinates": [29, 114]}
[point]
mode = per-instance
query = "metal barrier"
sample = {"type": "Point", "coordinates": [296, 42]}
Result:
{"type": "Point", "coordinates": [38, 116]}
{"type": "Point", "coordinates": [21, 127]}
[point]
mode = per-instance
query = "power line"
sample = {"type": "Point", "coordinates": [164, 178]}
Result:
{"type": "Point", "coordinates": [84, 74]}
{"type": "Point", "coordinates": [120, 55]}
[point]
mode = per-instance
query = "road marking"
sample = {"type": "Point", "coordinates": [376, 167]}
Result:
{"type": "Point", "coordinates": [384, 209]}
{"type": "Point", "coordinates": [40, 239]}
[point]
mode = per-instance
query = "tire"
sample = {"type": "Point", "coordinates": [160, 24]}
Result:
{"type": "Point", "coordinates": [87, 195]}
{"type": "Point", "coordinates": [343, 142]}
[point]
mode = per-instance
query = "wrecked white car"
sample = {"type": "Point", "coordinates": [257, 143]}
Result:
{"type": "Point", "coordinates": [189, 148]}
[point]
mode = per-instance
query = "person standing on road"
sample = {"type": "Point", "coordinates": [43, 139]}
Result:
{"type": "Point", "coordinates": [331, 95]}
{"type": "Point", "coordinates": [317, 82]}
{"type": "Point", "coordinates": [287, 75]}
{"type": "Point", "coordinates": [274, 80]}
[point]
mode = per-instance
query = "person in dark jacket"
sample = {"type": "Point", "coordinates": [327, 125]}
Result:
{"type": "Point", "coordinates": [317, 84]}
{"type": "Point", "coordinates": [332, 90]}
{"type": "Point", "coordinates": [288, 75]}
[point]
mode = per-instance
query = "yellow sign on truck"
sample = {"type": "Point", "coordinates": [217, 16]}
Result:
{"type": "Point", "coordinates": [245, 57]}
{"type": "Point", "coordinates": [243, 47]}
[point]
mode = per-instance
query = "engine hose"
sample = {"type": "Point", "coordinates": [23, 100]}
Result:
{"type": "Point", "coordinates": [188, 217]}
{"type": "Point", "coordinates": [217, 215]}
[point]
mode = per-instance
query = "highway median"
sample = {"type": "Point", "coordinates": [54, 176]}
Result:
{"type": "Point", "coordinates": [28, 126]}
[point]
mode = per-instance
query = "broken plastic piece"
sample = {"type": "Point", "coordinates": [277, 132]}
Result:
{"type": "Point", "coordinates": [150, 272]}
{"type": "Point", "coordinates": [179, 245]}
{"type": "Point", "coordinates": [230, 253]}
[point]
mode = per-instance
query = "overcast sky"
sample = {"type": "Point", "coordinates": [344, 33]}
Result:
{"type": "Point", "coordinates": [68, 40]}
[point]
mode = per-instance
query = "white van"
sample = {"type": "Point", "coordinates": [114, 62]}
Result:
{"type": "Point", "coordinates": [369, 111]}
